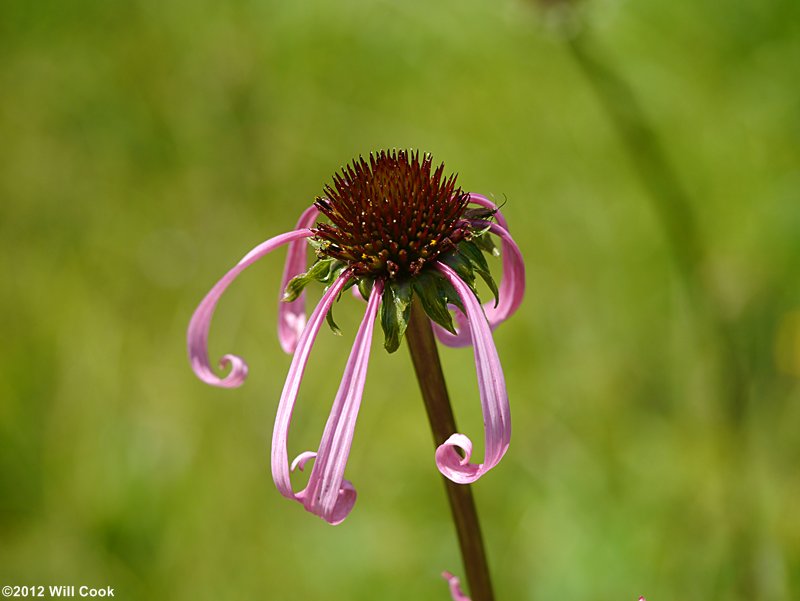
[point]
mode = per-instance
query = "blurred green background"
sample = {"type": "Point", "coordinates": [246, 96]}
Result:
{"type": "Point", "coordinates": [146, 146]}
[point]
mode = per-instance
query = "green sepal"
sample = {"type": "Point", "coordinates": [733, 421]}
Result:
{"type": "Point", "coordinates": [349, 284]}
{"type": "Point", "coordinates": [329, 315]}
{"type": "Point", "coordinates": [395, 311]}
{"type": "Point", "coordinates": [449, 293]}
{"type": "Point", "coordinates": [365, 285]}
{"type": "Point", "coordinates": [336, 269]}
{"type": "Point", "coordinates": [485, 242]}
{"type": "Point", "coordinates": [317, 245]}
{"type": "Point", "coordinates": [433, 293]}
{"type": "Point", "coordinates": [474, 255]}
{"type": "Point", "coordinates": [332, 324]}
{"type": "Point", "coordinates": [462, 266]}
{"type": "Point", "coordinates": [324, 271]}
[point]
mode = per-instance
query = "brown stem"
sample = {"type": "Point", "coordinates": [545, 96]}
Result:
{"type": "Point", "coordinates": [425, 357]}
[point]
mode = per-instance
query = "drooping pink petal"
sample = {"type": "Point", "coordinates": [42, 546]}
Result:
{"type": "Point", "coordinates": [292, 315]}
{"type": "Point", "coordinates": [197, 334]}
{"type": "Point", "coordinates": [511, 289]}
{"type": "Point", "coordinates": [328, 495]}
{"type": "Point", "coordinates": [455, 587]}
{"type": "Point", "coordinates": [494, 399]}
{"type": "Point", "coordinates": [512, 286]}
{"type": "Point", "coordinates": [480, 199]}
{"type": "Point", "coordinates": [283, 418]}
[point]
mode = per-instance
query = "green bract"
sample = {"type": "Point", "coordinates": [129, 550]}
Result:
{"type": "Point", "coordinates": [434, 292]}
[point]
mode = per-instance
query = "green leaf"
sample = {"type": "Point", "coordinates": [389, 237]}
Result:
{"type": "Point", "coordinates": [434, 297]}
{"type": "Point", "coordinates": [395, 311]}
{"type": "Point", "coordinates": [474, 255]}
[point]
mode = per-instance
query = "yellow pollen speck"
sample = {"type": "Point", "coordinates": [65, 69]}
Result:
{"type": "Point", "coordinates": [363, 255]}
{"type": "Point", "coordinates": [432, 243]}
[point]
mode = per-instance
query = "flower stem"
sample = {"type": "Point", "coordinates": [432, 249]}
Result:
{"type": "Point", "coordinates": [425, 357]}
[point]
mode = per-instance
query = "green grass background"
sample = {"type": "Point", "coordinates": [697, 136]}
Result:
{"type": "Point", "coordinates": [146, 146]}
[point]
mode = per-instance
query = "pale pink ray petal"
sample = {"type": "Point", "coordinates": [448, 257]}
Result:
{"type": "Point", "coordinates": [461, 337]}
{"type": "Point", "coordinates": [283, 418]}
{"type": "Point", "coordinates": [197, 334]}
{"type": "Point", "coordinates": [511, 289]}
{"type": "Point", "coordinates": [512, 286]}
{"type": "Point", "coordinates": [480, 199]}
{"type": "Point", "coordinates": [455, 587]}
{"type": "Point", "coordinates": [299, 462]}
{"type": "Point", "coordinates": [494, 398]}
{"type": "Point", "coordinates": [328, 495]}
{"type": "Point", "coordinates": [292, 315]}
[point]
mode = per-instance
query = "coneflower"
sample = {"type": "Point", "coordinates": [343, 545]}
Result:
{"type": "Point", "coordinates": [412, 243]}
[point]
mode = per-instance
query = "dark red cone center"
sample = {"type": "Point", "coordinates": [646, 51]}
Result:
{"type": "Point", "coordinates": [390, 216]}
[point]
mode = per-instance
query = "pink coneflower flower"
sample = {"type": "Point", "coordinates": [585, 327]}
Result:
{"type": "Point", "coordinates": [397, 231]}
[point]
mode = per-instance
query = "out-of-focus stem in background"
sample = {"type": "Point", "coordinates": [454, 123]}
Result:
{"type": "Point", "coordinates": [674, 208]}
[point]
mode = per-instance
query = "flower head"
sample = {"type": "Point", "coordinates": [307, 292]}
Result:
{"type": "Point", "coordinates": [398, 231]}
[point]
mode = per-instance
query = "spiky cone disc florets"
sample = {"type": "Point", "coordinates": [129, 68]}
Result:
{"type": "Point", "coordinates": [392, 219]}
{"type": "Point", "coordinates": [390, 216]}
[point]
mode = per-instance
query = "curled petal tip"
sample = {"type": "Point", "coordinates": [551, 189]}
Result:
{"type": "Point", "coordinates": [300, 461]}
{"type": "Point", "coordinates": [494, 398]}
{"type": "Point", "coordinates": [197, 334]}
{"type": "Point", "coordinates": [344, 503]}
{"type": "Point", "coordinates": [457, 441]}
{"type": "Point", "coordinates": [454, 465]}
{"type": "Point", "coordinates": [238, 373]}
{"type": "Point", "coordinates": [234, 379]}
